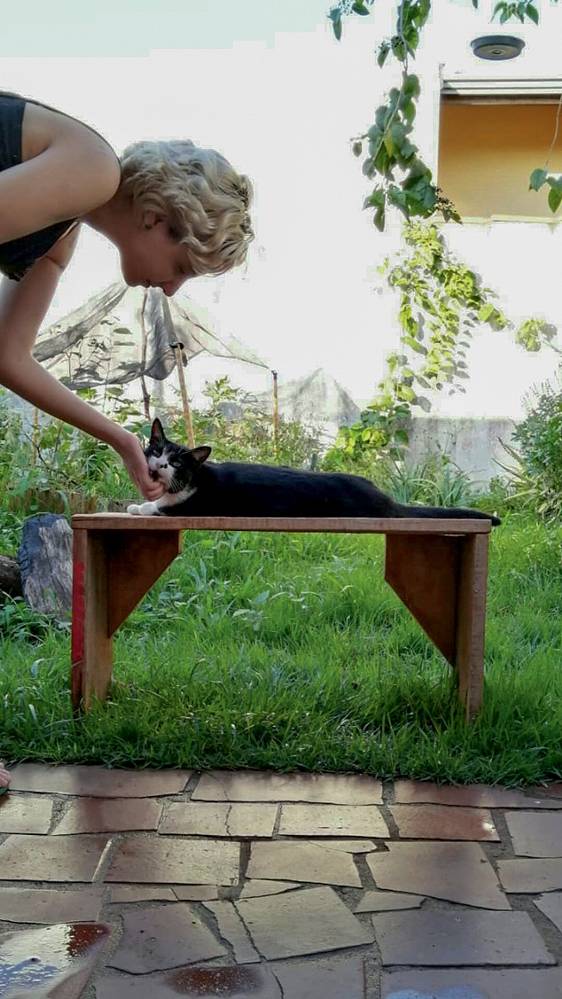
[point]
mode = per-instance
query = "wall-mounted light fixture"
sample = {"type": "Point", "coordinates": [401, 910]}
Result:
{"type": "Point", "coordinates": [497, 46]}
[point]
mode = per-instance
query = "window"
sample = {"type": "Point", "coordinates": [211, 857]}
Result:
{"type": "Point", "coordinates": [489, 143]}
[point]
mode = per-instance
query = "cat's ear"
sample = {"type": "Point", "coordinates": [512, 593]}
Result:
{"type": "Point", "coordinates": [157, 435]}
{"type": "Point", "coordinates": [200, 454]}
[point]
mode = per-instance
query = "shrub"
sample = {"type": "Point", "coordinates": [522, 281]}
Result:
{"type": "Point", "coordinates": [537, 473]}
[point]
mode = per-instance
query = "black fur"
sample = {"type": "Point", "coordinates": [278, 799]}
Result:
{"type": "Point", "coordinates": [240, 489]}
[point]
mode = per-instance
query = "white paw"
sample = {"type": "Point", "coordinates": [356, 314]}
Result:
{"type": "Point", "coordinates": [144, 510]}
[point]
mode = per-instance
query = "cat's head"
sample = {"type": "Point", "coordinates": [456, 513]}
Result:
{"type": "Point", "coordinates": [172, 464]}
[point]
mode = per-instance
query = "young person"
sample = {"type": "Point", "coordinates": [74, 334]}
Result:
{"type": "Point", "coordinates": [172, 209]}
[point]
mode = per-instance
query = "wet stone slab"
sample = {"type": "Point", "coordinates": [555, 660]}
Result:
{"type": "Point", "coordinates": [232, 929]}
{"type": "Point", "coordinates": [443, 822]}
{"type": "Point", "coordinates": [51, 858]}
{"type": "Point", "coordinates": [38, 905]}
{"type": "Point", "coordinates": [142, 893]}
{"type": "Point", "coordinates": [204, 818]}
{"type": "Point", "coordinates": [530, 876]}
{"type": "Point", "coordinates": [410, 792]}
{"type": "Point", "coordinates": [258, 888]}
{"type": "Point", "coordinates": [247, 982]}
{"type": "Point", "coordinates": [461, 938]}
{"type": "Point", "coordinates": [465, 983]}
{"type": "Point", "coordinates": [93, 815]}
{"type": "Point", "coordinates": [25, 814]}
{"type": "Point", "coordinates": [332, 820]}
{"type": "Point", "coordinates": [197, 893]}
{"type": "Point", "coordinates": [387, 901]}
{"type": "Point", "coordinates": [98, 782]}
{"type": "Point", "coordinates": [169, 860]}
{"type": "Point", "coordinates": [308, 862]}
{"type": "Point", "coordinates": [535, 834]}
{"type": "Point", "coordinates": [326, 978]}
{"type": "Point", "coordinates": [455, 872]}
{"type": "Point", "coordinates": [54, 961]}
{"type": "Point", "coordinates": [163, 937]}
{"type": "Point", "coordinates": [302, 922]}
{"type": "Point", "coordinates": [337, 789]}
{"type": "Point", "coordinates": [551, 906]}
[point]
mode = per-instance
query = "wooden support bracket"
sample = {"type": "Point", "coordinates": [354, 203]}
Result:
{"type": "Point", "coordinates": [112, 573]}
{"type": "Point", "coordinates": [442, 581]}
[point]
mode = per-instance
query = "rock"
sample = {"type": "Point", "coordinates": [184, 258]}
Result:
{"type": "Point", "coordinates": [45, 561]}
{"type": "Point", "coordinates": [10, 577]}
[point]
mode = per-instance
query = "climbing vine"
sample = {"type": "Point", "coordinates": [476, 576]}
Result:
{"type": "Point", "coordinates": [442, 301]}
{"type": "Point", "coordinates": [391, 156]}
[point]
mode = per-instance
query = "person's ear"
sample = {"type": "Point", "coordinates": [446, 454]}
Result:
{"type": "Point", "coordinates": [150, 219]}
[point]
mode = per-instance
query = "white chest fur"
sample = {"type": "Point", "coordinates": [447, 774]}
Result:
{"type": "Point", "coordinates": [159, 507]}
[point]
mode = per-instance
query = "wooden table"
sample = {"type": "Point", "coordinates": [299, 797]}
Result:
{"type": "Point", "coordinates": [438, 568]}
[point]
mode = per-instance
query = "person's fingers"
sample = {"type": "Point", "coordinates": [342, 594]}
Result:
{"type": "Point", "coordinates": [137, 468]}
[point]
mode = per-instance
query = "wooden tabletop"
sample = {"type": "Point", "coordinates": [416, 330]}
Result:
{"type": "Point", "coordinates": [328, 525]}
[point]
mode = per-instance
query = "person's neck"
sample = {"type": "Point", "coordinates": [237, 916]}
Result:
{"type": "Point", "coordinates": [112, 220]}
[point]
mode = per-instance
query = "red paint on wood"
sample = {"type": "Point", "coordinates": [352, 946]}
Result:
{"type": "Point", "coordinates": [78, 611]}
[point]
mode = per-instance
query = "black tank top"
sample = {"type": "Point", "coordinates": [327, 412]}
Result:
{"type": "Point", "coordinates": [18, 255]}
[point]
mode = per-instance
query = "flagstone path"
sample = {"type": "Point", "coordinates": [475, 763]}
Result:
{"type": "Point", "coordinates": [155, 884]}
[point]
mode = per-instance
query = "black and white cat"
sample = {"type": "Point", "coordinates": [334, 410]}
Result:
{"type": "Point", "coordinates": [197, 487]}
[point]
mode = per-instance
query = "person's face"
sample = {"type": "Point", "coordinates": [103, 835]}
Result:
{"type": "Point", "coordinates": [153, 257]}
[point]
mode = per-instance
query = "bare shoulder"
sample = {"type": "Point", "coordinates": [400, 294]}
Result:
{"type": "Point", "coordinates": [44, 129]}
{"type": "Point", "coordinates": [67, 170]}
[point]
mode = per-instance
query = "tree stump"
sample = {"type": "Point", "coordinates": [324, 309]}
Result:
{"type": "Point", "coordinates": [45, 560]}
{"type": "Point", "coordinates": [10, 577]}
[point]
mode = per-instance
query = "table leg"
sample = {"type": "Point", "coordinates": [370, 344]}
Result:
{"type": "Point", "coordinates": [442, 581]}
{"type": "Point", "coordinates": [112, 572]}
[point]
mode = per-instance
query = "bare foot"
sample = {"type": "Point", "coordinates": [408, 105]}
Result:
{"type": "Point", "coordinates": [4, 778]}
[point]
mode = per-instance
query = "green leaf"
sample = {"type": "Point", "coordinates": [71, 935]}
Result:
{"type": "Point", "coordinates": [335, 18]}
{"type": "Point", "coordinates": [423, 403]}
{"type": "Point", "coordinates": [486, 312]}
{"type": "Point", "coordinates": [379, 219]}
{"type": "Point", "coordinates": [537, 179]}
{"type": "Point", "coordinates": [532, 13]}
{"type": "Point", "coordinates": [554, 199]}
{"type": "Point", "coordinates": [384, 49]}
{"type": "Point", "coordinates": [357, 148]}
{"type": "Point", "coordinates": [411, 86]}
{"type": "Point", "coordinates": [359, 8]}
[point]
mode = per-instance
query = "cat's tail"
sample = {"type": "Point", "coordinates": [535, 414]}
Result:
{"type": "Point", "coordinates": [446, 512]}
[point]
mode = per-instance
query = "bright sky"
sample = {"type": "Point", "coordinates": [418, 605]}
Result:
{"type": "Point", "coordinates": [266, 83]}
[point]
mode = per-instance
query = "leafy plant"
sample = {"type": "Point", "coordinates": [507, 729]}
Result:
{"type": "Point", "coordinates": [537, 472]}
{"type": "Point", "coordinates": [404, 181]}
{"type": "Point", "coordinates": [238, 429]}
{"type": "Point", "coordinates": [442, 302]}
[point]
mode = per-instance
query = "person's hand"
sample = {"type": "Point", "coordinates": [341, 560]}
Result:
{"type": "Point", "coordinates": [135, 462]}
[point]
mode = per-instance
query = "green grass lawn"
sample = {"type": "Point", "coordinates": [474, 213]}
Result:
{"type": "Point", "coordinates": [290, 652]}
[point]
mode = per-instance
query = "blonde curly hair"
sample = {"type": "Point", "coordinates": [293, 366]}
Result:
{"type": "Point", "coordinates": [204, 199]}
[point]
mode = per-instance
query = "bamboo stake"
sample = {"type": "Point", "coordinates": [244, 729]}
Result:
{"type": "Point", "coordinates": [275, 415]}
{"type": "Point", "coordinates": [35, 436]}
{"type": "Point", "coordinates": [178, 353]}
{"type": "Point", "coordinates": [145, 392]}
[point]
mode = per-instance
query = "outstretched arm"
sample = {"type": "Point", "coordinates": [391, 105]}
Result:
{"type": "Point", "coordinates": [23, 306]}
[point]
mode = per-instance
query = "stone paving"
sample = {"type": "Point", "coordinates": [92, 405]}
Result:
{"type": "Point", "coordinates": [155, 884]}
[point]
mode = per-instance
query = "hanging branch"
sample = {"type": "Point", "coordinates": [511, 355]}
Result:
{"type": "Point", "coordinates": [404, 180]}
